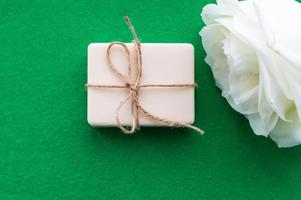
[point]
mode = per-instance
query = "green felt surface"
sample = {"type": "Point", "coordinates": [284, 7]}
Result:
{"type": "Point", "coordinates": [47, 149]}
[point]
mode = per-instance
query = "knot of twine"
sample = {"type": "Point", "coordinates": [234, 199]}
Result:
{"type": "Point", "coordinates": [134, 86]}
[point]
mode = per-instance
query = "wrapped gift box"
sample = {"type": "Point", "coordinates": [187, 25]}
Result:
{"type": "Point", "coordinates": [161, 64]}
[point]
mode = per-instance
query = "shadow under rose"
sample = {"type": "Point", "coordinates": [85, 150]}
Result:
{"type": "Point", "coordinates": [262, 156]}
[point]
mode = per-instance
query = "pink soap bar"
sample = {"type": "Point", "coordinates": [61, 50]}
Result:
{"type": "Point", "coordinates": [162, 63]}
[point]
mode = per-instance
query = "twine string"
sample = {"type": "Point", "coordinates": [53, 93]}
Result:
{"type": "Point", "coordinates": [134, 86]}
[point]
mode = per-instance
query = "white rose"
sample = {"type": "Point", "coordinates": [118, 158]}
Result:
{"type": "Point", "coordinates": [254, 50]}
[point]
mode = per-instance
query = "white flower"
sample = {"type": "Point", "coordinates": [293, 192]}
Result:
{"type": "Point", "coordinates": [254, 50]}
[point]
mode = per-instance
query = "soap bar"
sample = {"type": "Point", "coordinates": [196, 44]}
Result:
{"type": "Point", "coordinates": [162, 63]}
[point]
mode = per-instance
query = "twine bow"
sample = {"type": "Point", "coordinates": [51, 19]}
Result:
{"type": "Point", "coordinates": [134, 86]}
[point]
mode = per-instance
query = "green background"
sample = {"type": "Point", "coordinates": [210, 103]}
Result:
{"type": "Point", "coordinates": [47, 149]}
